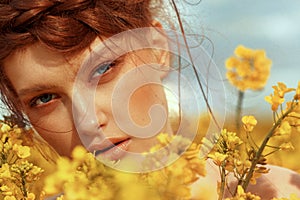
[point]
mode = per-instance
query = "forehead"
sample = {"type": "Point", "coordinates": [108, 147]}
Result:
{"type": "Point", "coordinates": [36, 66]}
{"type": "Point", "coordinates": [39, 55]}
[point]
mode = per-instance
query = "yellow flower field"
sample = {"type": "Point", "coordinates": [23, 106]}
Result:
{"type": "Point", "coordinates": [30, 169]}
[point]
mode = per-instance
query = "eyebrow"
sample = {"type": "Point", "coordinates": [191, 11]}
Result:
{"type": "Point", "coordinates": [36, 89]}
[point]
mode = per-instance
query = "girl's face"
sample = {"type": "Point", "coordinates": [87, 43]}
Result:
{"type": "Point", "coordinates": [68, 108]}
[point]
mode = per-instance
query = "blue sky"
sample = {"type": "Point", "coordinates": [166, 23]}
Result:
{"type": "Point", "coordinates": [264, 24]}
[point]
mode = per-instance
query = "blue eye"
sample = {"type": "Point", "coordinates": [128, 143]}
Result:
{"type": "Point", "coordinates": [102, 69]}
{"type": "Point", "coordinates": [43, 99]}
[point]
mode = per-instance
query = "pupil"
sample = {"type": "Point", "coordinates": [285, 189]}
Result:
{"type": "Point", "coordinates": [103, 69]}
{"type": "Point", "coordinates": [45, 98]}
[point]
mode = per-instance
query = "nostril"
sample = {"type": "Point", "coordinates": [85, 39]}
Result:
{"type": "Point", "coordinates": [88, 131]}
{"type": "Point", "coordinates": [101, 126]}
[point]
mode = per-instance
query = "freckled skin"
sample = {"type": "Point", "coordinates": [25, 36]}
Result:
{"type": "Point", "coordinates": [35, 66]}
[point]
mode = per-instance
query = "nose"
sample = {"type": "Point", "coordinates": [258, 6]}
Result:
{"type": "Point", "coordinates": [88, 120]}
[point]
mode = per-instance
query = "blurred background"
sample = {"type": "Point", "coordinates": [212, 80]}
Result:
{"type": "Point", "coordinates": [270, 25]}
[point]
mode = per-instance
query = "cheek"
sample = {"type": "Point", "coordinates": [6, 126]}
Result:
{"type": "Point", "coordinates": [56, 127]}
{"type": "Point", "coordinates": [49, 118]}
{"type": "Point", "coordinates": [63, 143]}
{"type": "Point", "coordinates": [142, 100]}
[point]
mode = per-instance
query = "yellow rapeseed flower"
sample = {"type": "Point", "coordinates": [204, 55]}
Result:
{"type": "Point", "coordinates": [34, 174]}
{"type": "Point", "coordinates": [292, 197]}
{"type": "Point", "coordinates": [275, 101]}
{"type": "Point", "coordinates": [281, 89]}
{"type": "Point", "coordinates": [22, 151]}
{"type": "Point", "coordinates": [4, 128]}
{"type": "Point", "coordinates": [9, 198]}
{"type": "Point", "coordinates": [163, 138]}
{"type": "Point", "coordinates": [287, 146]}
{"type": "Point", "coordinates": [217, 157]}
{"type": "Point", "coordinates": [258, 173]}
{"type": "Point", "coordinates": [284, 129]}
{"type": "Point", "coordinates": [5, 190]}
{"type": "Point", "coordinates": [297, 95]}
{"type": "Point", "coordinates": [30, 196]}
{"type": "Point", "coordinates": [5, 172]}
{"type": "Point", "coordinates": [248, 69]}
{"type": "Point", "coordinates": [277, 98]}
{"type": "Point", "coordinates": [241, 195]}
{"type": "Point", "coordinates": [230, 139]}
{"type": "Point", "coordinates": [294, 119]}
{"type": "Point", "coordinates": [249, 122]}
{"type": "Point", "coordinates": [79, 153]}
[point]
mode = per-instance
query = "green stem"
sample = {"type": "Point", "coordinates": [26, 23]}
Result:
{"type": "Point", "coordinates": [262, 147]}
{"type": "Point", "coordinates": [23, 182]}
{"type": "Point", "coordinates": [239, 107]}
{"type": "Point", "coordinates": [271, 153]}
{"type": "Point", "coordinates": [223, 181]}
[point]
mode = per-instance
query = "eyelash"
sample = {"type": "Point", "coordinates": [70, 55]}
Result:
{"type": "Point", "coordinates": [105, 67]}
{"type": "Point", "coordinates": [33, 102]}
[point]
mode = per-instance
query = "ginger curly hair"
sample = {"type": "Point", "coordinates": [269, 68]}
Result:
{"type": "Point", "coordinates": [66, 26]}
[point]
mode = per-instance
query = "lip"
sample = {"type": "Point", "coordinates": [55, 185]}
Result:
{"type": "Point", "coordinates": [111, 149]}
